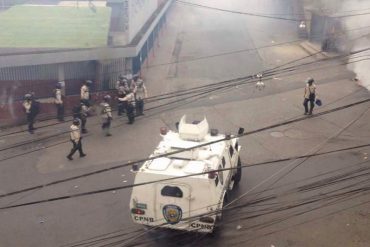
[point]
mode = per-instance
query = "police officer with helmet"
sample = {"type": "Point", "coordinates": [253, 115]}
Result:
{"type": "Point", "coordinates": [75, 136]}
{"type": "Point", "coordinates": [106, 115]}
{"type": "Point", "coordinates": [130, 108]}
{"type": "Point", "coordinates": [58, 100]}
{"type": "Point", "coordinates": [81, 112]}
{"type": "Point", "coordinates": [310, 94]}
{"type": "Point", "coordinates": [140, 95]}
{"type": "Point", "coordinates": [122, 103]}
{"type": "Point", "coordinates": [85, 92]}
{"type": "Point", "coordinates": [31, 107]}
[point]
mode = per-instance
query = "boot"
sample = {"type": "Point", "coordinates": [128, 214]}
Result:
{"type": "Point", "coordinates": [106, 132]}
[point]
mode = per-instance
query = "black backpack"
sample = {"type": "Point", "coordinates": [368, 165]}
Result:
{"type": "Point", "coordinates": [76, 110]}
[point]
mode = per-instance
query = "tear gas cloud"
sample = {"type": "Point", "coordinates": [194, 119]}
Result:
{"type": "Point", "coordinates": [357, 30]}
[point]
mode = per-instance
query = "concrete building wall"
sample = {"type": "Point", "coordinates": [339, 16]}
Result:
{"type": "Point", "coordinates": [139, 13]}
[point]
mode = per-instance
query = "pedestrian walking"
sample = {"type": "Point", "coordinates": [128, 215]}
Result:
{"type": "Point", "coordinates": [85, 92]}
{"type": "Point", "coordinates": [140, 95]}
{"type": "Point", "coordinates": [310, 95]}
{"type": "Point", "coordinates": [32, 108]}
{"type": "Point", "coordinates": [106, 114]}
{"type": "Point", "coordinates": [81, 112]}
{"type": "Point", "coordinates": [58, 100]}
{"type": "Point", "coordinates": [76, 139]}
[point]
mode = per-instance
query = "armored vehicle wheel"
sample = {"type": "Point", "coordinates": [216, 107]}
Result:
{"type": "Point", "coordinates": [238, 174]}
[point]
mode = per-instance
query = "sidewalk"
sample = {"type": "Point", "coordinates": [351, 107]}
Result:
{"type": "Point", "coordinates": [315, 49]}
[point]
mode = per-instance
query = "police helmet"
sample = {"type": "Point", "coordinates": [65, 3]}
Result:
{"type": "Point", "coordinates": [76, 121]}
{"type": "Point", "coordinates": [27, 96]}
{"type": "Point", "coordinates": [310, 80]}
{"type": "Point", "coordinates": [58, 85]}
{"type": "Point", "coordinates": [121, 77]}
{"type": "Point", "coordinates": [107, 97]}
{"type": "Point", "coordinates": [88, 82]}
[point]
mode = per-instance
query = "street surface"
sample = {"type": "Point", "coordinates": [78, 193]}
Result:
{"type": "Point", "coordinates": [315, 201]}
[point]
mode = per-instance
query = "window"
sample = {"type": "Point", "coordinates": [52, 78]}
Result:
{"type": "Point", "coordinates": [172, 191]}
{"type": "Point", "coordinates": [216, 181]}
{"type": "Point", "coordinates": [223, 162]}
{"type": "Point", "coordinates": [221, 176]}
{"type": "Point", "coordinates": [231, 150]}
{"type": "Point", "coordinates": [236, 146]}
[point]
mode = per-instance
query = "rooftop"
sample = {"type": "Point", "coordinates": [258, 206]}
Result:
{"type": "Point", "coordinates": [29, 26]}
{"type": "Point", "coordinates": [185, 163]}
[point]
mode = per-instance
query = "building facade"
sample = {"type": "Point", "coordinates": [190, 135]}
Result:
{"type": "Point", "coordinates": [38, 70]}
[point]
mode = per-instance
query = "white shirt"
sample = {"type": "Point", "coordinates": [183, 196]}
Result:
{"type": "Point", "coordinates": [85, 92]}
{"type": "Point", "coordinates": [75, 133]}
{"type": "Point", "coordinates": [58, 96]}
{"type": "Point", "coordinates": [27, 105]}
{"type": "Point", "coordinates": [308, 90]}
{"type": "Point", "coordinates": [141, 92]}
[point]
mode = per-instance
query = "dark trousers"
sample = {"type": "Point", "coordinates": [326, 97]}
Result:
{"type": "Point", "coordinates": [60, 112]}
{"type": "Point", "coordinates": [121, 108]}
{"type": "Point", "coordinates": [139, 107]}
{"type": "Point", "coordinates": [312, 105]}
{"type": "Point", "coordinates": [86, 102]}
{"type": "Point", "coordinates": [130, 113]}
{"type": "Point", "coordinates": [106, 124]}
{"type": "Point", "coordinates": [83, 124]}
{"type": "Point", "coordinates": [76, 146]}
{"type": "Point", "coordinates": [30, 121]}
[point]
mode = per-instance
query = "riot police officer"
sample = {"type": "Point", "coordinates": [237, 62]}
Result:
{"type": "Point", "coordinates": [59, 102]}
{"type": "Point", "coordinates": [76, 139]}
{"type": "Point", "coordinates": [85, 92]}
{"type": "Point", "coordinates": [81, 112]}
{"type": "Point", "coordinates": [130, 109]}
{"type": "Point", "coordinates": [140, 94]}
{"type": "Point", "coordinates": [121, 104]}
{"type": "Point", "coordinates": [106, 114]}
{"type": "Point", "coordinates": [310, 94]}
{"type": "Point", "coordinates": [31, 108]}
{"type": "Point", "coordinates": [121, 83]}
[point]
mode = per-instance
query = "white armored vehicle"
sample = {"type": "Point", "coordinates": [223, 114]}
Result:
{"type": "Point", "coordinates": [188, 190]}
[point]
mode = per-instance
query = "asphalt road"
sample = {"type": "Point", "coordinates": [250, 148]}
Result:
{"type": "Point", "coordinates": [304, 202]}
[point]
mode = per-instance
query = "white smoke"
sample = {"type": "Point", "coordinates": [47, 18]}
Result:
{"type": "Point", "coordinates": [355, 35]}
{"type": "Point", "coordinates": [357, 29]}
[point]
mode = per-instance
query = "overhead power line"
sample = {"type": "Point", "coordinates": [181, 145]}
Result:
{"type": "Point", "coordinates": [192, 60]}
{"type": "Point", "coordinates": [198, 94]}
{"type": "Point", "coordinates": [155, 157]}
{"type": "Point", "coordinates": [264, 15]}
{"type": "Point", "coordinates": [238, 12]}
